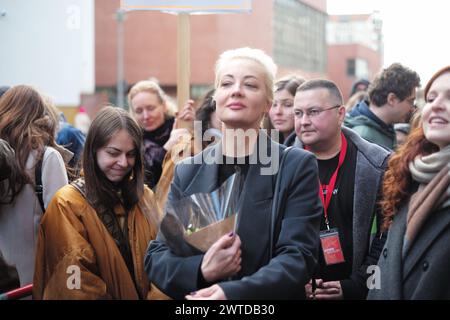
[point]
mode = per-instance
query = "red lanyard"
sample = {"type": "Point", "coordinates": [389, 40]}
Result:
{"type": "Point", "coordinates": [330, 187]}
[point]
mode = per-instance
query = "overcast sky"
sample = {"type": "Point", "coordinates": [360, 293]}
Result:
{"type": "Point", "coordinates": [416, 33]}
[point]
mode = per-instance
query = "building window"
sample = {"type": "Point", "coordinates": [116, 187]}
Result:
{"type": "Point", "coordinates": [351, 67]}
{"type": "Point", "coordinates": [358, 68]}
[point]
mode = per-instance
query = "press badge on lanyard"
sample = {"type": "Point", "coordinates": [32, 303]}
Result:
{"type": "Point", "coordinates": [329, 239]}
{"type": "Point", "coordinates": [331, 247]}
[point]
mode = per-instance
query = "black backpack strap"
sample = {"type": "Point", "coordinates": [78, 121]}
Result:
{"type": "Point", "coordinates": [275, 204]}
{"type": "Point", "coordinates": [39, 188]}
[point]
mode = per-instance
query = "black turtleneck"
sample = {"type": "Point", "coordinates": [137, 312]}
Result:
{"type": "Point", "coordinates": [231, 165]}
{"type": "Point", "coordinates": [154, 152]}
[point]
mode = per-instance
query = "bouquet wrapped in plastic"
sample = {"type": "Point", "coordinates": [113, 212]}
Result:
{"type": "Point", "coordinates": [192, 224]}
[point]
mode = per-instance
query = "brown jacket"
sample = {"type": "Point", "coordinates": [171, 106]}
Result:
{"type": "Point", "coordinates": [73, 240]}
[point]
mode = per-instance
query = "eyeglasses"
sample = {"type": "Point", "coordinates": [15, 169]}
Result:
{"type": "Point", "coordinates": [412, 101]}
{"type": "Point", "coordinates": [313, 112]}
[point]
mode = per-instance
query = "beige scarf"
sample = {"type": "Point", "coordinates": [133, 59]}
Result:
{"type": "Point", "coordinates": [433, 174]}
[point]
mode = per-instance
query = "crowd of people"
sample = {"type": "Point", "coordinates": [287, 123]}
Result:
{"type": "Point", "coordinates": [350, 190]}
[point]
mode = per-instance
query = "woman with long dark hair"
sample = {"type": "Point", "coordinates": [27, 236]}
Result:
{"type": "Point", "coordinates": [97, 228]}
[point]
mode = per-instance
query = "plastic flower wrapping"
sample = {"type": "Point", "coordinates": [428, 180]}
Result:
{"type": "Point", "coordinates": [193, 223]}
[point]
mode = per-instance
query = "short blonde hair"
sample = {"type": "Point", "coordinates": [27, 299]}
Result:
{"type": "Point", "coordinates": [147, 86]}
{"type": "Point", "coordinates": [257, 55]}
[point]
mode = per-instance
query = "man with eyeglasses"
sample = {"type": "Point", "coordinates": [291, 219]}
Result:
{"type": "Point", "coordinates": [350, 176]}
{"type": "Point", "coordinates": [392, 95]}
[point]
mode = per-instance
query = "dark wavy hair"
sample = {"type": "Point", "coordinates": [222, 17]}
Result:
{"type": "Point", "coordinates": [101, 193]}
{"type": "Point", "coordinates": [398, 184]}
{"type": "Point", "coordinates": [205, 110]}
{"type": "Point", "coordinates": [395, 79]}
{"type": "Point", "coordinates": [290, 83]}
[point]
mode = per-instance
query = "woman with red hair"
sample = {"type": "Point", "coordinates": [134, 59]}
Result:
{"type": "Point", "coordinates": [415, 261]}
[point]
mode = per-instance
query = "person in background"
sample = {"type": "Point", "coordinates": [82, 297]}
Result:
{"type": "Point", "coordinates": [281, 113]}
{"type": "Point", "coordinates": [29, 125]}
{"type": "Point", "coordinates": [82, 120]}
{"type": "Point", "coordinates": [11, 181]}
{"type": "Point", "coordinates": [361, 85]}
{"type": "Point", "coordinates": [206, 113]}
{"type": "Point", "coordinates": [191, 145]}
{"type": "Point", "coordinates": [416, 206]}
{"type": "Point", "coordinates": [392, 95]}
{"type": "Point", "coordinates": [355, 99]}
{"type": "Point", "coordinates": [401, 132]}
{"type": "Point", "coordinates": [350, 173]}
{"type": "Point", "coordinates": [72, 139]}
{"type": "Point", "coordinates": [246, 264]}
{"type": "Point", "coordinates": [9, 278]}
{"type": "Point", "coordinates": [101, 224]}
{"type": "Point", "coordinates": [149, 106]}
{"type": "Point", "coordinates": [3, 89]}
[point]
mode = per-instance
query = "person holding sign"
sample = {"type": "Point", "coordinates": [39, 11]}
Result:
{"type": "Point", "coordinates": [149, 106]}
{"type": "Point", "coordinates": [350, 174]}
{"type": "Point", "coordinates": [251, 262]}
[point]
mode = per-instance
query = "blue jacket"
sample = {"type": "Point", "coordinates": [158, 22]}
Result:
{"type": "Point", "coordinates": [72, 139]}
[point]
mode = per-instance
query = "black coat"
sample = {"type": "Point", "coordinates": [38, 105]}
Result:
{"type": "Point", "coordinates": [9, 278]}
{"type": "Point", "coordinates": [296, 246]}
{"type": "Point", "coordinates": [423, 272]}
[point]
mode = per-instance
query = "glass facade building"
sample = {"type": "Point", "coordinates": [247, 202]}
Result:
{"type": "Point", "coordinates": [299, 36]}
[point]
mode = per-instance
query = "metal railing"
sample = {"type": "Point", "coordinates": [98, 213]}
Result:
{"type": "Point", "coordinates": [18, 293]}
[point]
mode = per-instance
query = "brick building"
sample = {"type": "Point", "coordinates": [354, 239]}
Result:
{"type": "Point", "coordinates": [292, 31]}
{"type": "Point", "coordinates": [355, 49]}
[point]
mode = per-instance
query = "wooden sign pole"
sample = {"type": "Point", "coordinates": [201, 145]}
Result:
{"type": "Point", "coordinates": [183, 8]}
{"type": "Point", "coordinates": [183, 63]}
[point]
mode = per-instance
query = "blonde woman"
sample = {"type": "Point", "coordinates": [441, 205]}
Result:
{"type": "Point", "coordinates": [151, 108]}
{"type": "Point", "coordinates": [246, 264]}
